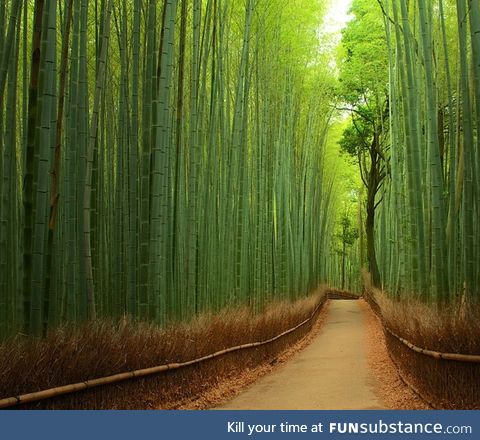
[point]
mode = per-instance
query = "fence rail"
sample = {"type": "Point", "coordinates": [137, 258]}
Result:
{"type": "Point", "coordinates": [472, 358]}
{"type": "Point", "coordinates": [88, 384]}
{"type": "Point", "coordinates": [459, 357]}
{"type": "Point", "coordinates": [445, 362]}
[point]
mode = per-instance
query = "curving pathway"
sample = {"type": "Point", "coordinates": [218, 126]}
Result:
{"type": "Point", "coordinates": [331, 373]}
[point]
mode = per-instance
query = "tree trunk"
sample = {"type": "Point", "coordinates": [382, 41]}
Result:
{"type": "Point", "coordinates": [373, 184]}
{"type": "Point", "coordinates": [369, 229]}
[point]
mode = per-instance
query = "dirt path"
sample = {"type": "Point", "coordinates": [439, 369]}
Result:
{"type": "Point", "coordinates": [331, 373]}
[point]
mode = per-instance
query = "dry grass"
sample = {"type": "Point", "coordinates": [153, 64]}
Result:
{"type": "Point", "coordinates": [230, 386]}
{"type": "Point", "coordinates": [456, 329]}
{"type": "Point", "coordinates": [393, 392]}
{"type": "Point", "coordinates": [105, 348]}
{"type": "Point", "coordinates": [452, 330]}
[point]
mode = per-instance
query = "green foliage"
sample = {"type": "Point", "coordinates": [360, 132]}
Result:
{"type": "Point", "coordinates": [357, 137]}
{"type": "Point", "coordinates": [363, 56]}
{"type": "Point", "coordinates": [363, 92]}
{"type": "Point", "coordinates": [188, 172]}
{"type": "Point", "coordinates": [432, 195]}
{"type": "Point", "coordinates": [349, 233]}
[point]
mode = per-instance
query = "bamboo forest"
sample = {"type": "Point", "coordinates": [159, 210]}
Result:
{"type": "Point", "coordinates": [214, 182]}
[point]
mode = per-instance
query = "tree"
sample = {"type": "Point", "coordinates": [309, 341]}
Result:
{"type": "Point", "coordinates": [363, 93]}
{"type": "Point", "coordinates": [347, 237]}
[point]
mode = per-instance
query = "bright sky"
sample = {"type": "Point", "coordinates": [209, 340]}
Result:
{"type": "Point", "coordinates": [336, 17]}
{"type": "Point", "coordinates": [335, 20]}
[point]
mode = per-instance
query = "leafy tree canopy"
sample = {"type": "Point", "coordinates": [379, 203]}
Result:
{"type": "Point", "coordinates": [363, 55]}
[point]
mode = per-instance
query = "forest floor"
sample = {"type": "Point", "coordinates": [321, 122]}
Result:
{"type": "Point", "coordinates": [345, 366]}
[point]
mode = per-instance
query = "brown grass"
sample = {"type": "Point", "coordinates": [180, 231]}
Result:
{"type": "Point", "coordinates": [104, 348]}
{"type": "Point", "coordinates": [231, 385]}
{"type": "Point", "coordinates": [390, 387]}
{"type": "Point", "coordinates": [456, 329]}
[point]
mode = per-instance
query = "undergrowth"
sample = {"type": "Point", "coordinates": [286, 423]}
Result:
{"type": "Point", "coordinates": [104, 348]}
{"type": "Point", "coordinates": [453, 329]}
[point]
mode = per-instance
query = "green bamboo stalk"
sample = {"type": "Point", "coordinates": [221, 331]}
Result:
{"type": "Point", "coordinates": [45, 128]}
{"type": "Point", "coordinates": [145, 183]}
{"type": "Point", "coordinates": [8, 223]}
{"type": "Point", "coordinates": [30, 161]}
{"type": "Point", "coordinates": [100, 81]}
{"type": "Point", "coordinates": [7, 46]}
{"type": "Point", "coordinates": [451, 221]}
{"type": "Point", "coordinates": [467, 197]}
{"type": "Point", "coordinates": [439, 270]}
{"type": "Point", "coordinates": [192, 229]}
{"type": "Point", "coordinates": [133, 158]}
{"type": "Point", "coordinates": [159, 224]}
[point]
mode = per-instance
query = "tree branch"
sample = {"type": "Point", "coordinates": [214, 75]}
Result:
{"type": "Point", "coordinates": [353, 110]}
{"type": "Point", "coordinates": [385, 13]}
